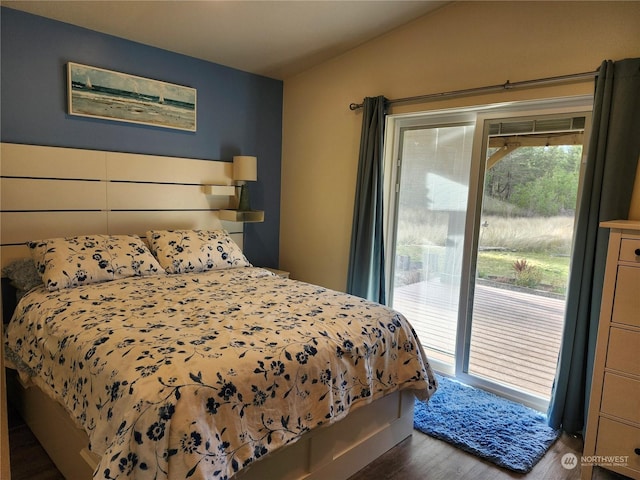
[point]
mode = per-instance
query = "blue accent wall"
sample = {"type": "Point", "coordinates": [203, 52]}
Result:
{"type": "Point", "coordinates": [238, 113]}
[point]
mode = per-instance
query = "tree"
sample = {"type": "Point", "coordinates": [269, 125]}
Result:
{"type": "Point", "coordinates": [539, 181]}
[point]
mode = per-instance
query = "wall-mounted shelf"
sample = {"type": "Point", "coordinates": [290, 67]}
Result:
{"type": "Point", "coordinates": [242, 216]}
{"type": "Point", "coordinates": [221, 190]}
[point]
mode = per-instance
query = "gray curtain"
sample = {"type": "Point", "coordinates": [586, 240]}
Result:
{"type": "Point", "coordinates": [612, 160]}
{"type": "Point", "coordinates": [366, 259]}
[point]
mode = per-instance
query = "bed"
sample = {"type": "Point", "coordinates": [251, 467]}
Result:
{"type": "Point", "coordinates": [204, 367]}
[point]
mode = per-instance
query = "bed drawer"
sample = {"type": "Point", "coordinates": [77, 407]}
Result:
{"type": "Point", "coordinates": [626, 306]}
{"type": "Point", "coordinates": [622, 354]}
{"type": "Point", "coordinates": [619, 440]}
{"type": "Point", "coordinates": [621, 397]}
{"type": "Point", "coordinates": [630, 250]}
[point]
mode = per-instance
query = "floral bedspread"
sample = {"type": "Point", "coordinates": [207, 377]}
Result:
{"type": "Point", "coordinates": [198, 375]}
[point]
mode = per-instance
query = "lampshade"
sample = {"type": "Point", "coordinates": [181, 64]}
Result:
{"type": "Point", "coordinates": [245, 168]}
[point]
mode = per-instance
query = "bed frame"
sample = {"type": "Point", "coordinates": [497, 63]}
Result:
{"type": "Point", "coordinates": [53, 192]}
{"type": "Point", "coordinates": [333, 452]}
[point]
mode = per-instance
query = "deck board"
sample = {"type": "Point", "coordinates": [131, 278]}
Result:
{"type": "Point", "coordinates": [515, 335]}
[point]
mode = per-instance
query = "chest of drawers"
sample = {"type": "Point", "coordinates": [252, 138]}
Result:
{"type": "Point", "coordinates": [612, 438]}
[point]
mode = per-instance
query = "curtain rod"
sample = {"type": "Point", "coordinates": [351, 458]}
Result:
{"type": "Point", "coordinates": [491, 88]}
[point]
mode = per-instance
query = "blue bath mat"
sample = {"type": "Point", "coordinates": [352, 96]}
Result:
{"type": "Point", "coordinates": [498, 430]}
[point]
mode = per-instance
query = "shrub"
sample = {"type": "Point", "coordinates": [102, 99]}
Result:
{"type": "Point", "coordinates": [527, 275]}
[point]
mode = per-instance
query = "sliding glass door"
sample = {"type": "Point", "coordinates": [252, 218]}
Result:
{"type": "Point", "coordinates": [433, 167]}
{"type": "Point", "coordinates": [481, 227]}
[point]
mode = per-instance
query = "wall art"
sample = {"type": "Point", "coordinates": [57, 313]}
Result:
{"type": "Point", "coordinates": [99, 93]}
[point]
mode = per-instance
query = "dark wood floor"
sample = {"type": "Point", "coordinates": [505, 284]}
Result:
{"type": "Point", "coordinates": [28, 459]}
{"type": "Point", "coordinates": [419, 457]}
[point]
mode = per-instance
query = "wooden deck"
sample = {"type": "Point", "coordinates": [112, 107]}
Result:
{"type": "Point", "coordinates": [515, 336]}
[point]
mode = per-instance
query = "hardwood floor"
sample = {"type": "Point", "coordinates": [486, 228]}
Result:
{"type": "Point", "coordinates": [419, 457]}
{"type": "Point", "coordinates": [29, 461]}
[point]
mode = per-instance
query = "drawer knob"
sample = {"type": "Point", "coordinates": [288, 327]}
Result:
{"type": "Point", "coordinates": [637, 252]}
{"type": "Point", "coordinates": [637, 451]}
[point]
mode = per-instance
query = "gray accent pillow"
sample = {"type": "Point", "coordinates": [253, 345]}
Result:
{"type": "Point", "coordinates": [23, 275]}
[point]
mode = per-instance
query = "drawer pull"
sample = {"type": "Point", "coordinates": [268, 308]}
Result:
{"type": "Point", "coordinates": [637, 252]}
{"type": "Point", "coordinates": [637, 451]}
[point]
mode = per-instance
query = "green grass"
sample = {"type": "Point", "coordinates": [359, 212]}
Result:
{"type": "Point", "coordinates": [554, 269]}
{"type": "Point", "coordinates": [544, 242]}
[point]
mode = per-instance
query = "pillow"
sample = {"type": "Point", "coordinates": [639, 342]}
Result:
{"type": "Point", "coordinates": [182, 251]}
{"type": "Point", "coordinates": [23, 275]}
{"type": "Point", "coordinates": [73, 261]}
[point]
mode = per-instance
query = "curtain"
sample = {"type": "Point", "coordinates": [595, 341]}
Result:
{"type": "Point", "coordinates": [366, 259]}
{"type": "Point", "coordinates": [612, 160]}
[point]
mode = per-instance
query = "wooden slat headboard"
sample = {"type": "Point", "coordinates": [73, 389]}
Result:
{"type": "Point", "coordinates": [56, 192]}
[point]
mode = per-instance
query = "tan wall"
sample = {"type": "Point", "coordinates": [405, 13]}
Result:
{"type": "Point", "coordinates": [462, 45]}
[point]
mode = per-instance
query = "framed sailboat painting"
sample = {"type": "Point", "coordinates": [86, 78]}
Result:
{"type": "Point", "coordinates": [99, 93]}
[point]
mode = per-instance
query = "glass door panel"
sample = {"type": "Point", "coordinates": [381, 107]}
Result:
{"type": "Point", "coordinates": [522, 260]}
{"type": "Point", "coordinates": [430, 222]}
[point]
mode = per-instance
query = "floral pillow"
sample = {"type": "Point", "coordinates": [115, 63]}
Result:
{"type": "Point", "coordinates": [182, 251]}
{"type": "Point", "coordinates": [73, 261]}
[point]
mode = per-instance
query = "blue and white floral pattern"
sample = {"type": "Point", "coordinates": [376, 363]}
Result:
{"type": "Point", "coordinates": [72, 261]}
{"type": "Point", "coordinates": [183, 251]}
{"type": "Point", "coordinates": [202, 374]}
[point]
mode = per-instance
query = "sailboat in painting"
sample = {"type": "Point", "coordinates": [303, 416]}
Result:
{"type": "Point", "coordinates": [99, 93]}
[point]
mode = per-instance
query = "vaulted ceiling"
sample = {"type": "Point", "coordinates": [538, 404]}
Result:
{"type": "Point", "coordinates": [272, 38]}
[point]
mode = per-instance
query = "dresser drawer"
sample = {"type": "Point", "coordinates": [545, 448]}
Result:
{"type": "Point", "coordinates": [628, 249]}
{"type": "Point", "coordinates": [619, 440]}
{"type": "Point", "coordinates": [621, 397]}
{"type": "Point", "coordinates": [622, 354]}
{"type": "Point", "coordinates": [626, 306]}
